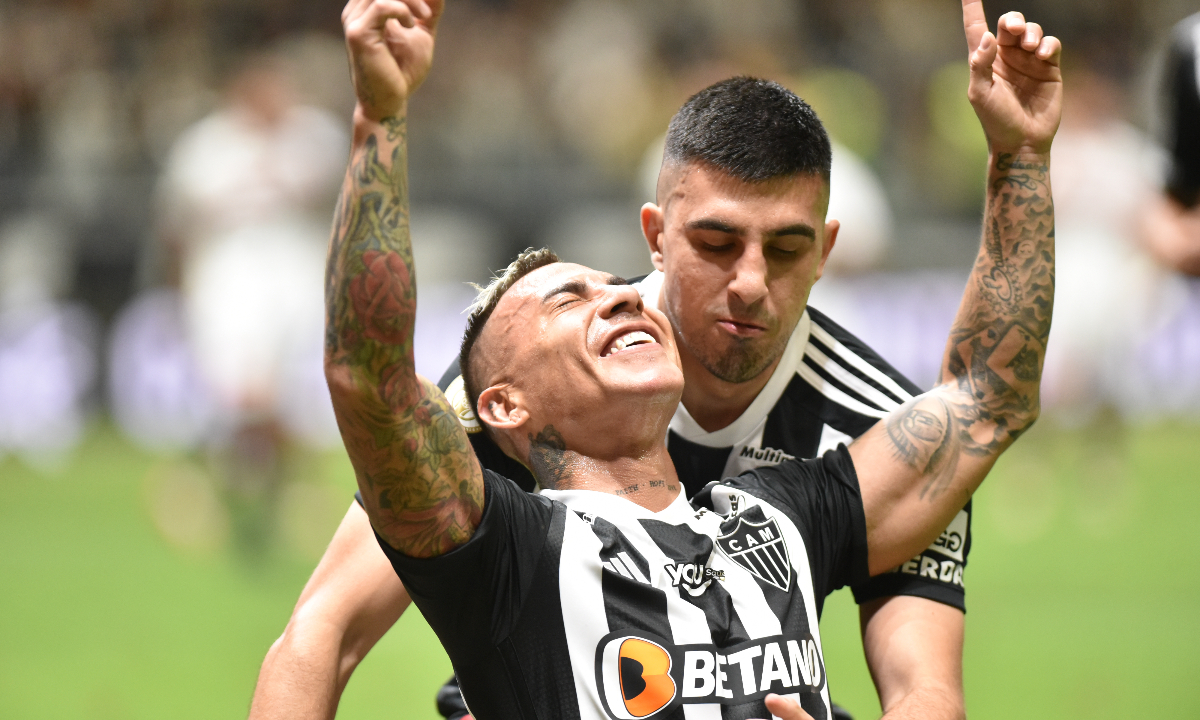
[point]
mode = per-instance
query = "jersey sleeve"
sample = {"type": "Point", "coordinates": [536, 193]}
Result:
{"type": "Point", "coordinates": [821, 496]}
{"type": "Point", "coordinates": [937, 573]}
{"type": "Point", "coordinates": [477, 590]}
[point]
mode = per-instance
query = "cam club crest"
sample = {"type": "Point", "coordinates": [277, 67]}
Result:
{"type": "Point", "coordinates": [758, 547]}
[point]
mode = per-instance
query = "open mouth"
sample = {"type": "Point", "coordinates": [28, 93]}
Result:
{"type": "Point", "coordinates": [627, 341]}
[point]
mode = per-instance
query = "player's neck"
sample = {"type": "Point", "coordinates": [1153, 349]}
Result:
{"type": "Point", "coordinates": [647, 478]}
{"type": "Point", "coordinates": [715, 403]}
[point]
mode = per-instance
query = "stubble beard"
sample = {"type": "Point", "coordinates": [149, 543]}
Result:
{"type": "Point", "coordinates": [743, 361]}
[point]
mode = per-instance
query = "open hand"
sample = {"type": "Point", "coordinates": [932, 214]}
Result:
{"type": "Point", "coordinates": [391, 48]}
{"type": "Point", "coordinates": [1016, 83]}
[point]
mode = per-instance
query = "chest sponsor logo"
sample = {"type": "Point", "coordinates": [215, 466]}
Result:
{"type": "Point", "coordinates": [759, 547]}
{"type": "Point", "coordinates": [640, 675]}
{"type": "Point", "coordinates": [693, 577]}
{"type": "Point", "coordinates": [764, 455]}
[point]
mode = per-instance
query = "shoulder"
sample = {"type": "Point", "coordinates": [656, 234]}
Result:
{"type": "Point", "coordinates": [845, 348]}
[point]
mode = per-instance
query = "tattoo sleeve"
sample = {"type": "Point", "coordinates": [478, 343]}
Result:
{"type": "Point", "coordinates": [420, 480]}
{"type": "Point", "coordinates": [992, 367]}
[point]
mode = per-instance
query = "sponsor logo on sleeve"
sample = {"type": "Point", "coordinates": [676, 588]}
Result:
{"type": "Point", "coordinates": [758, 547]}
{"type": "Point", "coordinates": [942, 561]}
{"type": "Point", "coordinates": [953, 539]}
{"type": "Point", "coordinates": [456, 393]}
{"type": "Point", "coordinates": [640, 675]}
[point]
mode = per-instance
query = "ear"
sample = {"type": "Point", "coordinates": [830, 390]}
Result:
{"type": "Point", "coordinates": [831, 232]}
{"type": "Point", "coordinates": [500, 408]}
{"type": "Point", "coordinates": [652, 228]}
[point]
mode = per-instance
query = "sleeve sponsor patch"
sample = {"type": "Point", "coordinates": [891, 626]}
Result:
{"type": "Point", "coordinates": [456, 393]}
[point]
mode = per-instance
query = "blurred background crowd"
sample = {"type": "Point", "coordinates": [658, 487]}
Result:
{"type": "Point", "coordinates": [168, 170]}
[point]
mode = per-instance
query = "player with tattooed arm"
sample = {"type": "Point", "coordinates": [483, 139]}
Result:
{"type": "Point", "coordinates": [609, 595]}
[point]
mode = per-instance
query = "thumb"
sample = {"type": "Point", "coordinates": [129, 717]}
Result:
{"type": "Point", "coordinates": [785, 708]}
{"type": "Point", "coordinates": [981, 66]}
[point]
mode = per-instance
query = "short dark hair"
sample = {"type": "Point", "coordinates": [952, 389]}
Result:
{"type": "Point", "coordinates": [752, 129]}
{"type": "Point", "coordinates": [485, 303]}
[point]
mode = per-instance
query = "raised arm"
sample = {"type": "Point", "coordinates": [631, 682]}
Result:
{"type": "Point", "coordinates": [420, 481]}
{"type": "Point", "coordinates": [921, 464]}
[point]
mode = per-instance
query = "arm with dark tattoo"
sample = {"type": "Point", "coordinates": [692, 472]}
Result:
{"type": "Point", "coordinates": [992, 367]}
{"type": "Point", "coordinates": [421, 483]}
{"type": "Point", "coordinates": [947, 439]}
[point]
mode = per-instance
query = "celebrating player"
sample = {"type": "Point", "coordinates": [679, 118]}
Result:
{"type": "Point", "coordinates": [572, 373]}
{"type": "Point", "coordinates": [809, 263]}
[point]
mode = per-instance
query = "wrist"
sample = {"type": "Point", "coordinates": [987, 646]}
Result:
{"type": "Point", "coordinates": [1020, 158]}
{"type": "Point", "coordinates": [371, 122]}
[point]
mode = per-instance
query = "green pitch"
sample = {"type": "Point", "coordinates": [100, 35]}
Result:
{"type": "Point", "coordinates": [120, 596]}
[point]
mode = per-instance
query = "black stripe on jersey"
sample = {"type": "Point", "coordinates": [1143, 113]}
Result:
{"type": "Point", "coordinates": [816, 367]}
{"type": "Point", "coordinates": [697, 465]}
{"type": "Point", "coordinates": [834, 357]}
{"type": "Point", "coordinates": [533, 649]}
{"type": "Point", "coordinates": [861, 349]}
{"type": "Point", "coordinates": [682, 544]}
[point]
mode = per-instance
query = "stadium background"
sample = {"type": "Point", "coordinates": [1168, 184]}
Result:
{"type": "Point", "coordinates": [125, 593]}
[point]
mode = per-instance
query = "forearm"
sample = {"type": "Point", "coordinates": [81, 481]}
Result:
{"type": "Point", "coordinates": [947, 439]}
{"type": "Point", "coordinates": [351, 600]}
{"type": "Point", "coordinates": [913, 647]}
{"type": "Point", "coordinates": [300, 678]}
{"type": "Point", "coordinates": [997, 343]}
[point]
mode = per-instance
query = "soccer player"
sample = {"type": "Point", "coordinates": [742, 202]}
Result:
{"type": "Point", "coordinates": [827, 347]}
{"type": "Point", "coordinates": [608, 595]}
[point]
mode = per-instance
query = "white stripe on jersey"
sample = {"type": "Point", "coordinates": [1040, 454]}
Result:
{"type": "Point", "coordinates": [867, 391]}
{"type": "Point", "coordinates": [835, 394]}
{"type": "Point", "coordinates": [859, 364]}
{"type": "Point", "coordinates": [584, 617]}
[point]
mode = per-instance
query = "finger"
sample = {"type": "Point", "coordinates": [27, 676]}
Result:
{"type": "Point", "coordinates": [1032, 37]}
{"type": "Point", "coordinates": [380, 11]}
{"type": "Point", "coordinates": [974, 22]}
{"type": "Point", "coordinates": [1050, 50]}
{"type": "Point", "coordinates": [981, 62]}
{"type": "Point", "coordinates": [785, 708]}
{"type": "Point", "coordinates": [1010, 28]}
{"type": "Point", "coordinates": [353, 9]}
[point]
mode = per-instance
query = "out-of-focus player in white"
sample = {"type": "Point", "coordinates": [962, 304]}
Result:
{"type": "Point", "coordinates": [246, 192]}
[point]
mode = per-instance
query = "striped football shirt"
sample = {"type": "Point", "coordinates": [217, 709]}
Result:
{"type": "Point", "coordinates": [583, 605]}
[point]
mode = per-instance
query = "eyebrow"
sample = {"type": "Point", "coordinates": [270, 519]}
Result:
{"type": "Point", "coordinates": [579, 287]}
{"type": "Point", "coordinates": [721, 226]}
{"type": "Point", "coordinates": [798, 229]}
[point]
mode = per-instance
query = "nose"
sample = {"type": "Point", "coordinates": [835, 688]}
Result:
{"type": "Point", "coordinates": [749, 281]}
{"type": "Point", "coordinates": [620, 299]}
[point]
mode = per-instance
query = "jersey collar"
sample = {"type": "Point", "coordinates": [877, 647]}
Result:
{"type": "Point", "coordinates": [605, 504]}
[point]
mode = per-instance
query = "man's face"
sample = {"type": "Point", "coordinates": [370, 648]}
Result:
{"type": "Point", "coordinates": [583, 353]}
{"type": "Point", "coordinates": [739, 260]}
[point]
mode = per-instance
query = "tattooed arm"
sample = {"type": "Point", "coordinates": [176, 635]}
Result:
{"type": "Point", "coordinates": [921, 464]}
{"type": "Point", "coordinates": [420, 481]}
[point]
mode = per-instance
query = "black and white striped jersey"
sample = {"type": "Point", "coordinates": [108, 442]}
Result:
{"type": "Point", "coordinates": [584, 605]}
{"type": "Point", "coordinates": [828, 388]}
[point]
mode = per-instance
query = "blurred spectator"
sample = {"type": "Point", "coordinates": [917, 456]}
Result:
{"type": "Point", "coordinates": [1109, 294]}
{"type": "Point", "coordinates": [246, 196]}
